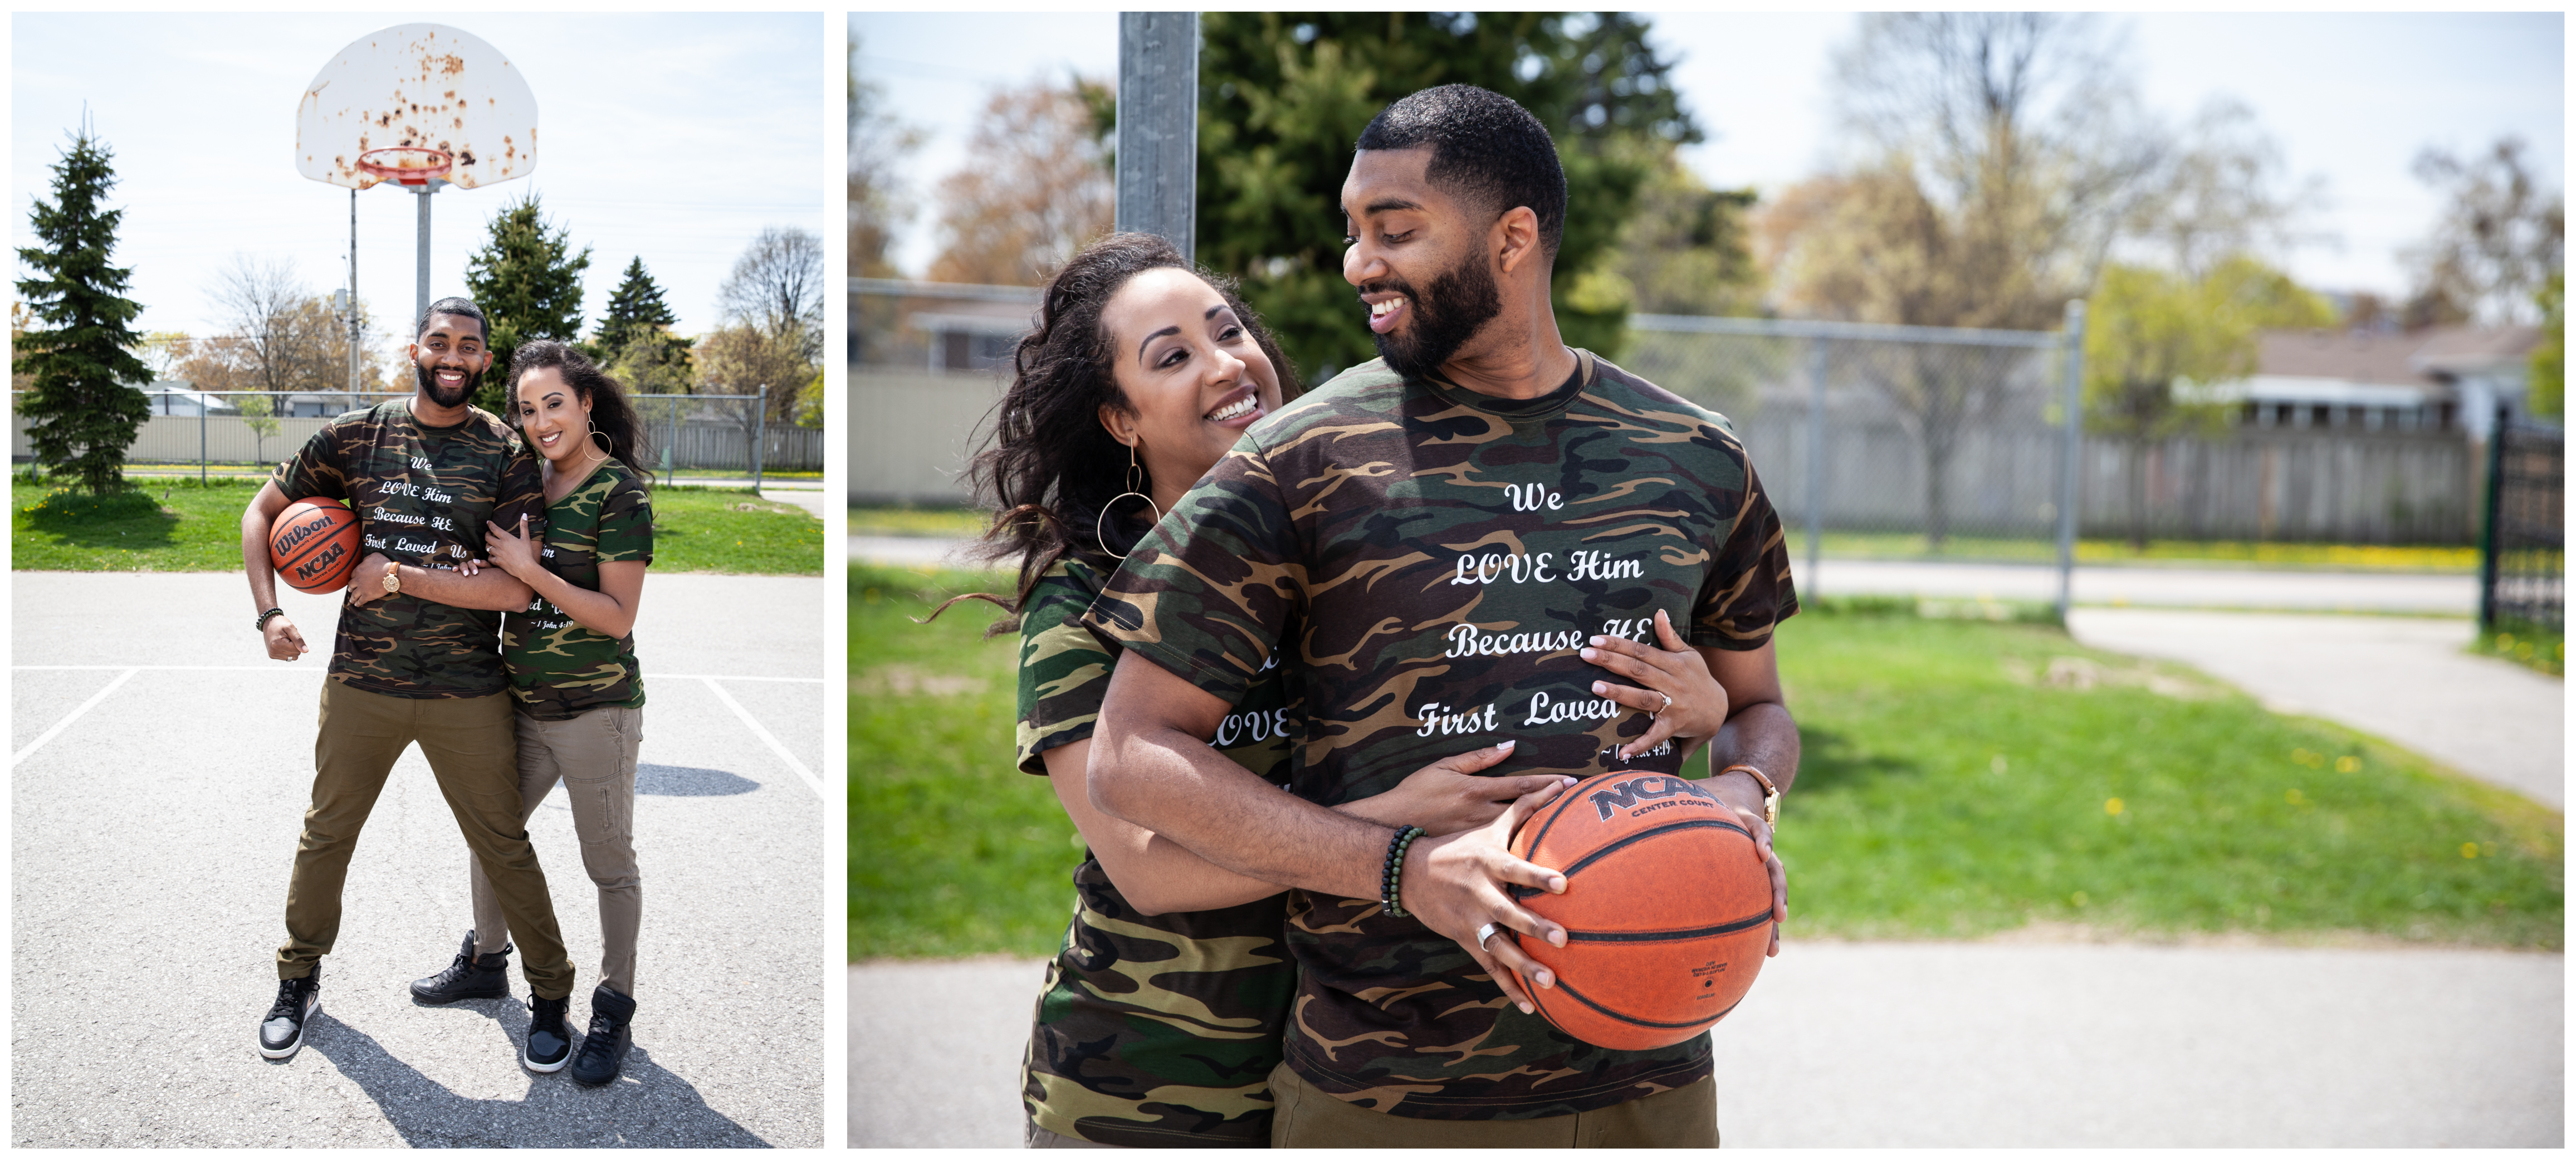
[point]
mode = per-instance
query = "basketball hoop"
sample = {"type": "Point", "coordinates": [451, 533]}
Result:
{"type": "Point", "coordinates": [411, 166]}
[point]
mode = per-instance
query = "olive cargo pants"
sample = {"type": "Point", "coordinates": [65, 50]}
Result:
{"type": "Point", "coordinates": [594, 756]}
{"type": "Point", "coordinates": [472, 747]}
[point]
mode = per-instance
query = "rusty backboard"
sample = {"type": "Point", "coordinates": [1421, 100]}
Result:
{"type": "Point", "coordinates": [418, 86]}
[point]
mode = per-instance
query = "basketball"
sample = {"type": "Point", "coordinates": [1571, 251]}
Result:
{"type": "Point", "coordinates": [1667, 909]}
{"type": "Point", "coordinates": [314, 544]}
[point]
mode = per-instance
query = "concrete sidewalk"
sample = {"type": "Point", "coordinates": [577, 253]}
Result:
{"type": "Point", "coordinates": [2407, 680]}
{"type": "Point", "coordinates": [1947, 1045]}
{"type": "Point", "coordinates": [151, 841]}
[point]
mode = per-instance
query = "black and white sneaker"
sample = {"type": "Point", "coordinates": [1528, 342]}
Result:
{"type": "Point", "coordinates": [549, 1037]}
{"type": "Point", "coordinates": [282, 1033]}
{"type": "Point", "coordinates": [469, 977]}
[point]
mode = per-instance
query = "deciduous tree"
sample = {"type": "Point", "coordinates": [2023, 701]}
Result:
{"type": "Point", "coordinates": [2156, 341]}
{"type": "Point", "coordinates": [84, 403]}
{"type": "Point", "coordinates": [2499, 240]}
{"type": "Point", "coordinates": [1035, 188]}
{"type": "Point", "coordinates": [777, 285]}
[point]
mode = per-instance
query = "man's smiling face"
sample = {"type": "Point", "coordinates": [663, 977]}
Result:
{"type": "Point", "coordinates": [1418, 256]}
{"type": "Point", "coordinates": [449, 358]}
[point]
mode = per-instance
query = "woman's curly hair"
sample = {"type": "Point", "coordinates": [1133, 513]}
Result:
{"type": "Point", "coordinates": [1049, 467]}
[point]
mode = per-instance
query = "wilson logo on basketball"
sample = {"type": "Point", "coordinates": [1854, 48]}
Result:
{"type": "Point", "coordinates": [300, 533]}
{"type": "Point", "coordinates": [1625, 795]}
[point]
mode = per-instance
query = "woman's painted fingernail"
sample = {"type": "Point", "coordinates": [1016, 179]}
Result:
{"type": "Point", "coordinates": [1506, 744]}
{"type": "Point", "coordinates": [1600, 686]}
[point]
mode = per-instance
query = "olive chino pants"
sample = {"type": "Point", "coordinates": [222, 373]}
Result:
{"type": "Point", "coordinates": [1683, 1117]}
{"type": "Point", "coordinates": [472, 747]}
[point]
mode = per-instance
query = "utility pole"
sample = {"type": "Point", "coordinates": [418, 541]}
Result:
{"type": "Point", "coordinates": [1158, 119]}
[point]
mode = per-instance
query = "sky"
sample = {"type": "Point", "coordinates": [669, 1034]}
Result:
{"type": "Point", "coordinates": [2350, 97]}
{"type": "Point", "coordinates": [675, 138]}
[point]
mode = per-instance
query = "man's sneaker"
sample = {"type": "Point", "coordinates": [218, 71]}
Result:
{"type": "Point", "coordinates": [282, 1033]}
{"type": "Point", "coordinates": [469, 977]}
{"type": "Point", "coordinates": [549, 1038]}
{"type": "Point", "coordinates": [604, 1046]}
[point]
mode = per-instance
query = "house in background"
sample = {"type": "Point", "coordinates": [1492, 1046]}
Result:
{"type": "Point", "coordinates": [181, 397]}
{"type": "Point", "coordinates": [2446, 378]}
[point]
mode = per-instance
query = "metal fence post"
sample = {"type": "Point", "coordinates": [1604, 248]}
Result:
{"type": "Point", "coordinates": [2070, 482]}
{"type": "Point", "coordinates": [1158, 115]}
{"type": "Point", "coordinates": [2490, 546]}
{"type": "Point", "coordinates": [1815, 463]}
{"type": "Point", "coordinates": [202, 406]}
{"type": "Point", "coordinates": [671, 450]}
{"type": "Point", "coordinates": [759, 433]}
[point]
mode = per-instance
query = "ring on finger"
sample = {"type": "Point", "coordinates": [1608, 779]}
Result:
{"type": "Point", "coordinates": [1485, 932]}
{"type": "Point", "coordinates": [1668, 703]}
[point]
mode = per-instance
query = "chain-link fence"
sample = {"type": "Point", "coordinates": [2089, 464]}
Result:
{"type": "Point", "coordinates": [211, 430]}
{"type": "Point", "coordinates": [1888, 440]}
{"type": "Point", "coordinates": [2523, 562]}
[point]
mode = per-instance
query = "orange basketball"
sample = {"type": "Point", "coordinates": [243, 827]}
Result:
{"type": "Point", "coordinates": [314, 544]}
{"type": "Point", "coordinates": [1667, 909]}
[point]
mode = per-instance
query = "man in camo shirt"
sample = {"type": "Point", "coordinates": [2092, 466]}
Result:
{"type": "Point", "coordinates": [1482, 536]}
{"type": "Point", "coordinates": [417, 659]}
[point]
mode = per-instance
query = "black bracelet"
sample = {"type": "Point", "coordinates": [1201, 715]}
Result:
{"type": "Point", "coordinates": [262, 626]}
{"type": "Point", "coordinates": [1390, 881]}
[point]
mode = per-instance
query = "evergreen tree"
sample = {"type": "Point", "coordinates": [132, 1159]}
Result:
{"type": "Point", "coordinates": [527, 279]}
{"type": "Point", "coordinates": [1282, 97]}
{"type": "Point", "coordinates": [636, 304]}
{"type": "Point", "coordinates": [85, 407]}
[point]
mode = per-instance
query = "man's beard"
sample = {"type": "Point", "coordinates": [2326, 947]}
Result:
{"type": "Point", "coordinates": [1462, 300]}
{"type": "Point", "coordinates": [429, 386]}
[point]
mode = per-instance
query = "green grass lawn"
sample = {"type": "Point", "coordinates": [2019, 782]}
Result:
{"type": "Point", "coordinates": [1962, 778]}
{"type": "Point", "coordinates": [2526, 645]}
{"type": "Point", "coordinates": [180, 525]}
{"type": "Point", "coordinates": [962, 522]}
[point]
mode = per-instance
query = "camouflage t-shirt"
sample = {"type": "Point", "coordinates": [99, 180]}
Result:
{"type": "Point", "coordinates": [421, 495]}
{"type": "Point", "coordinates": [558, 669]}
{"type": "Point", "coordinates": [1153, 1030]}
{"type": "Point", "coordinates": [1430, 561]}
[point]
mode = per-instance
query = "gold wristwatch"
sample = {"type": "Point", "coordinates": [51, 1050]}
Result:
{"type": "Point", "coordinates": [1770, 793]}
{"type": "Point", "coordinates": [393, 587]}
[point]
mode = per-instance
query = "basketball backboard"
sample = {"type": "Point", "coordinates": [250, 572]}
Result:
{"type": "Point", "coordinates": [394, 99]}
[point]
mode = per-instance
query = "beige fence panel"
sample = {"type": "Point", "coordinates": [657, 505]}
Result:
{"type": "Point", "coordinates": [911, 433]}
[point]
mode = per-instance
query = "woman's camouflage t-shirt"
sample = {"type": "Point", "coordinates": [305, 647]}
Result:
{"type": "Point", "coordinates": [1426, 563]}
{"type": "Point", "coordinates": [1153, 1030]}
{"type": "Point", "coordinates": [558, 669]}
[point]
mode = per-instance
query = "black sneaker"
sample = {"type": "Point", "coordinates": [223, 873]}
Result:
{"type": "Point", "coordinates": [549, 1038]}
{"type": "Point", "coordinates": [469, 977]}
{"type": "Point", "coordinates": [604, 1046]}
{"type": "Point", "coordinates": [282, 1033]}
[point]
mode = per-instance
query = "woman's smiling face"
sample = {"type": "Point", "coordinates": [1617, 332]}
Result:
{"type": "Point", "coordinates": [554, 418]}
{"type": "Point", "coordinates": [1191, 371]}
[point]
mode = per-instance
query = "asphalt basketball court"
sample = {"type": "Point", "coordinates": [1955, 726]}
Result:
{"type": "Point", "coordinates": [161, 766]}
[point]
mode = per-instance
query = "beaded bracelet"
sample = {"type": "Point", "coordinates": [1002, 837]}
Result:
{"type": "Point", "coordinates": [1392, 878]}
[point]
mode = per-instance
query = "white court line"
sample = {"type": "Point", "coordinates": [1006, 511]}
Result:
{"type": "Point", "coordinates": [70, 717]}
{"type": "Point", "coordinates": [764, 734]}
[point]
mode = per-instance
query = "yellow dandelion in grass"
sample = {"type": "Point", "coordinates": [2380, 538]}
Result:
{"type": "Point", "coordinates": [2295, 798]}
{"type": "Point", "coordinates": [2347, 764]}
{"type": "Point", "coordinates": [2114, 806]}
{"type": "Point", "coordinates": [2468, 849]}
{"type": "Point", "coordinates": [2080, 898]}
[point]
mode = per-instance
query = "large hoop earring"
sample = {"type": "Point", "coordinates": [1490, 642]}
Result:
{"type": "Point", "coordinates": [1135, 476]}
{"type": "Point", "coordinates": [605, 452]}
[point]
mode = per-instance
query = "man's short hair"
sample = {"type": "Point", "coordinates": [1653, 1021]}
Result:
{"type": "Point", "coordinates": [1485, 149]}
{"type": "Point", "coordinates": [460, 307]}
